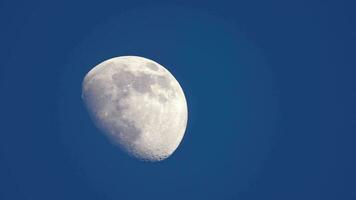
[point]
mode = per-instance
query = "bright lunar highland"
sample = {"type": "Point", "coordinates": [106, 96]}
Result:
{"type": "Point", "coordinates": [138, 104]}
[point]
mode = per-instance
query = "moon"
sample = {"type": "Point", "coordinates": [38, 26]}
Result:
{"type": "Point", "coordinates": [138, 104]}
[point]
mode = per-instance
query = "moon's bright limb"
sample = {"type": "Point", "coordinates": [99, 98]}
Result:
{"type": "Point", "coordinates": [138, 104]}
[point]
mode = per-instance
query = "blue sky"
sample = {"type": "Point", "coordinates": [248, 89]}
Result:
{"type": "Point", "coordinates": [270, 88]}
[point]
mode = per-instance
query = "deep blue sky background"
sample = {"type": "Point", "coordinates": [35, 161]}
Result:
{"type": "Point", "coordinates": [270, 87]}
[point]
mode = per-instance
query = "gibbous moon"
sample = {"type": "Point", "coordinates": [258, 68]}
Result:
{"type": "Point", "coordinates": [138, 104]}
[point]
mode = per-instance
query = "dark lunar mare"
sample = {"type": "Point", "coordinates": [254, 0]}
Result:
{"type": "Point", "coordinates": [142, 82]}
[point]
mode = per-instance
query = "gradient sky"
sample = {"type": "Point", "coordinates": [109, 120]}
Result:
{"type": "Point", "coordinates": [270, 87]}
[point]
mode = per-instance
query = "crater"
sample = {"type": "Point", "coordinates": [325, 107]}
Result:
{"type": "Point", "coordinates": [152, 66]}
{"type": "Point", "coordinates": [162, 98]}
{"type": "Point", "coordinates": [163, 81]}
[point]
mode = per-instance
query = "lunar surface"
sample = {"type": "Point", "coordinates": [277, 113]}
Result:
{"type": "Point", "coordinates": [138, 104]}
